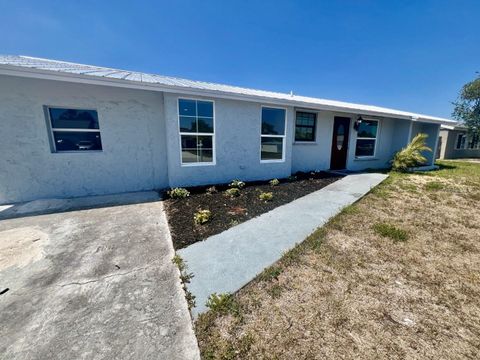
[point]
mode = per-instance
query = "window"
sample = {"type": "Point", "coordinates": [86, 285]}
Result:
{"type": "Point", "coordinates": [474, 142]}
{"type": "Point", "coordinates": [74, 130]}
{"type": "Point", "coordinates": [465, 141]}
{"type": "Point", "coordinates": [366, 138]}
{"type": "Point", "coordinates": [272, 146]}
{"type": "Point", "coordinates": [305, 126]}
{"type": "Point", "coordinates": [461, 141]}
{"type": "Point", "coordinates": [196, 125]}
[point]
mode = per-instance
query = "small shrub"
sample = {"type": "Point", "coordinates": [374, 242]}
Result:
{"type": "Point", "coordinates": [274, 182]}
{"type": "Point", "coordinates": [390, 231]}
{"type": "Point", "coordinates": [179, 193]}
{"type": "Point", "coordinates": [266, 196]}
{"type": "Point", "coordinates": [232, 192]}
{"type": "Point", "coordinates": [211, 190]}
{"type": "Point", "coordinates": [433, 186]}
{"type": "Point", "coordinates": [292, 178]}
{"type": "Point", "coordinates": [237, 184]}
{"type": "Point", "coordinates": [202, 216]}
{"type": "Point", "coordinates": [411, 155]}
{"type": "Point", "coordinates": [223, 304]}
{"type": "Point", "coordinates": [233, 222]}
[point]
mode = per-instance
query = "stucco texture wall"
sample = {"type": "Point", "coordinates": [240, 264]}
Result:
{"type": "Point", "coordinates": [308, 156]}
{"type": "Point", "coordinates": [432, 130]}
{"type": "Point", "coordinates": [385, 146]}
{"type": "Point", "coordinates": [132, 131]}
{"type": "Point", "coordinates": [391, 137]}
{"type": "Point", "coordinates": [237, 142]}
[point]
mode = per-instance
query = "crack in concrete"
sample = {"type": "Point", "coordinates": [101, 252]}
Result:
{"type": "Point", "coordinates": [102, 278]}
{"type": "Point", "coordinates": [109, 276]}
{"type": "Point", "coordinates": [42, 289]}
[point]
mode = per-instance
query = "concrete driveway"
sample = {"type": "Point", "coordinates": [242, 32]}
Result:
{"type": "Point", "coordinates": [92, 284]}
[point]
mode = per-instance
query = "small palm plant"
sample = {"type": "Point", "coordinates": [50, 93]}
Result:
{"type": "Point", "coordinates": [411, 155]}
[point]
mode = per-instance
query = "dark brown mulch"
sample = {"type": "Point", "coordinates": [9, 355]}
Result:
{"type": "Point", "coordinates": [228, 212]}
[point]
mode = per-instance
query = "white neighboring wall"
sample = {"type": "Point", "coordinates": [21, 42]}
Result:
{"type": "Point", "coordinates": [132, 131]}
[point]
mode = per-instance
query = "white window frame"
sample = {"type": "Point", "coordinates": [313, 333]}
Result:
{"type": "Point", "coordinates": [214, 147]}
{"type": "Point", "coordinates": [283, 137]}
{"type": "Point", "coordinates": [367, 138]}
{"type": "Point", "coordinates": [52, 130]}
{"type": "Point", "coordinates": [465, 143]}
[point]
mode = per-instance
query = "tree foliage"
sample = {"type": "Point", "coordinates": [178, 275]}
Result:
{"type": "Point", "coordinates": [467, 107]}
{"type": "Point", "coordinates": [411, 155]}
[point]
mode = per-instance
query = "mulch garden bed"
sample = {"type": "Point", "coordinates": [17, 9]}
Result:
{"type": "Point", "coordinates": [230, 211]}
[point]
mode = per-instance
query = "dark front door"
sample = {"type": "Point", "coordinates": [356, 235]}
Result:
{"type": "Point", "coordinates": [341, 126]}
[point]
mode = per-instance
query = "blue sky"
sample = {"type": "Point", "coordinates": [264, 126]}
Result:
{"type": "Point", "coordinates": [410, 55]}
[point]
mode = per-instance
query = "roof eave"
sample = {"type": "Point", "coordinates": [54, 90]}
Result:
{"type": "Point", "coordinates": [29, 72]}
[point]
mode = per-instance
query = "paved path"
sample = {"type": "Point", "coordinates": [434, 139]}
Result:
{"type": "Point", "coordinates": [227, 261]}
{"type": "Point", "coordinates": [92, 284]}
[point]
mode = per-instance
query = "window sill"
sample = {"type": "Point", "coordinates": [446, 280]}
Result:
{"type": "Point", "coordinates": [79, 152]}
{"type": "Point", "coordinates": [271, 161]}
{"type": "Point", "coordinates": [198, 164]}
{"type": "Point", "coordinates": [305, 143]}
{"type": "Point", "coordinates": [366, 158]}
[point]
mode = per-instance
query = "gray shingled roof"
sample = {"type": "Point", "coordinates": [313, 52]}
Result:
{"type": "Point", "coordinates": [63, 67]}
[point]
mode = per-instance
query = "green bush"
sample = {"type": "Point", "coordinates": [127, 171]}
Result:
{"type": "Point", "coordinates": [411, 155]}
{"type": "Point", "coordinates": [274, 182]}
{"type": "Point", "coordinates": [390, 231]}
{"type": "Point", "coordinates": [178, 193]}
{"type": "Point", "coordinates": [266, 196]}
{"type": "Point", "coordinates": [237, 184]}
{"type": "Point", "coordinates": [232, 192]}
{"type": "Point", "coordinates": [222, 304]}
{"type": "Point", "coordinates": [202, 216]}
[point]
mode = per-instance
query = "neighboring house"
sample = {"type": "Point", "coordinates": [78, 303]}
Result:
{"type": "Point", "coordinates": [455, 143]}
{"type": "Point", "coordinates": [73, 130]}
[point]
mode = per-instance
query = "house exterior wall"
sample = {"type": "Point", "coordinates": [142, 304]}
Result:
{"type": "Point", "coordinates": [141, 142]}
{"type": "Point", "coordinates": [392, 136]}
{"type": "Point", "coordinates": [308, 156]}
{"type": "Point", "coordinates": [237, 145]}
{"type": "Point", "coordinates": [132, 132]}
{"type": "Point", "coordinates": [449, 141]}
{"type": "Point", "coordinates": [433, 131]}
{"type": "Point", "coordinates": [383, 147]}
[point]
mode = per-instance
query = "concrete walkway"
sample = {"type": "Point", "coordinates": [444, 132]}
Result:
{"type": "Point", "coordinates": [227, 261]}
{"type": "Point", "coordinates": [92, 284]}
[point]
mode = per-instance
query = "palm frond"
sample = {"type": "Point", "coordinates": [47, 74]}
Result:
{"type": "Point", "coordinates": [411, 155]}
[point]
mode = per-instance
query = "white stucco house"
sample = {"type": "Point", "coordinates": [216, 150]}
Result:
{"type": "Point", "coordinates": [72, 130]}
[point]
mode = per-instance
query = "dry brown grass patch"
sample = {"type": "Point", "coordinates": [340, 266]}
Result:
{"type": "Point", "coordinates": [352, 293]}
